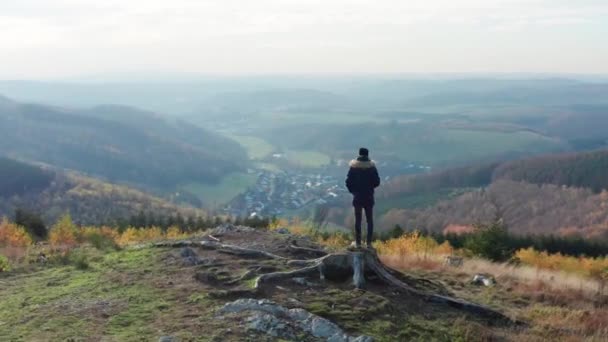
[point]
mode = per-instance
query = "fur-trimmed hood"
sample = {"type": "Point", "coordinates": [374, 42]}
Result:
{"type": "Point", "coordinates": [362, 164]}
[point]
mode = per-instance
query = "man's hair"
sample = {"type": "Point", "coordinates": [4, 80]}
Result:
{"type": "Point", "coordinates": [363, 151]}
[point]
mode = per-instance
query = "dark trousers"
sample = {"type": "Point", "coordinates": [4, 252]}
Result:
{"type": "Point", "coordinates": [369, 217]}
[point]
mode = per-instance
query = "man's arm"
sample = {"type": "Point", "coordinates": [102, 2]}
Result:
{"type": "Point", "coordinates": [349, 180]}
{"type": "Point", "coordinates": [376, 178]}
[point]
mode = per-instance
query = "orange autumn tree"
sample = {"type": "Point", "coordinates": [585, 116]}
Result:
{"type": "Point", "coordinates": [12, 235]}
{"type": "Point", "coordinates": [64, 233]}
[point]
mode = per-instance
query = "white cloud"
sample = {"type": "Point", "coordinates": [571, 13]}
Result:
{"type": "Point", "coordinates": [243, 36]}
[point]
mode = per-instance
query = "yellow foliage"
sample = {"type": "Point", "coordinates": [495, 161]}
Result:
{"type": "Point", "coordinates": [137, 235]}
{"type": "Point", "coordinates": [412, 244]}
{"type": "Point", "coordinates": [174, 232]}
{"type": "Point", "coordinates": [12, 235]}
{"type": "Point", "coordinates": [335, 241]}
{"type": "Point", "coordinates": [591, 267]}
{"type": "Point", "coordinates": [130, 235]}
{"type": "Point", "coordinates": [87, 233]}
{"type": "Point", "coordinates": [152, 233]}
{"type": "Point", "coordinates": [296, 226]}
{"type": "Point", "coordinates": [64, 232]}
{"type": "Point", "coordinates": [278, 223]}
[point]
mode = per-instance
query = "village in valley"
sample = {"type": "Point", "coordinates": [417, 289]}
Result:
{"type": "Point", "coordinates": [276, 193]}
{"type": "Point", "coordinates": [285, 192]}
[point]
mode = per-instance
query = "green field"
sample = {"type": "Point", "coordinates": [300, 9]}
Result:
{"type": "Point", "coordinates": [307, 159]}
{"type": "Point", "coordinates": [256, 148]}
{"type": "Point", "coordinates": [450, 145]}
{"type": "Point", "coordinates": [267, 167]}
{"type": "Point", "coordinates": [214, 195]}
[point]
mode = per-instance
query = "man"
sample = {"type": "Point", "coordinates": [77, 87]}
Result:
{"type": "Point", "coordinates": [361, 181]}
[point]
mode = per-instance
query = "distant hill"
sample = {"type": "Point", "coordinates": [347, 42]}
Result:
{"type": "Point", "coordinates": [430, 142]}
{"type": "Point", "coordinates": [514, 92]}
{"type": "Point", "coordinates": [561, 193]}
{"type": "Point", "coordinates": [269, 100]}
{"type": "Point", "coordinates": [580, 169]}
{"type": "Point", "coordinates": [18, 178]}
{"type": "Point", "coordinates": [526, 209]}
{"type": "Point", "coordinates": [118, 143]}
{"type": "Point", "coordinates": [90, 201]}
{"type": "Point", "coordinates": [584, 170]}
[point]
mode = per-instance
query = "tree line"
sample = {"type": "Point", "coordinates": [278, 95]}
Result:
{"type": "Point", "coordinates": [36, 226]}
{"type": "Point", "coordinates": [494, 241]}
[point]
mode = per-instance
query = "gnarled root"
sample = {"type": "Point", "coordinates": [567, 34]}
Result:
{"type": "Point", "coordinates": [337, 266]}
{"type": "Point", "coordinates": [222, 248]}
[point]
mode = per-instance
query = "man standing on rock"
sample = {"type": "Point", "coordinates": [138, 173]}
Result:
{"type": "Point", "coordinates": [361, 181]}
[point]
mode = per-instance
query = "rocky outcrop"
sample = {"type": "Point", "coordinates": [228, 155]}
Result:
{"type": "Point", "coordinates": [270, 318]}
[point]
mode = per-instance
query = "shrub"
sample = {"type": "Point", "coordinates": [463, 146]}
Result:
{"type": "Point", "coordinates": [79, 260]}
{"type": "Point", "coordinates": [103, 238]}
{"type": "Point", "coordinates": [64, 232]}
{"type": "Point", "coordinates": [12, 235]}
{"type": "Point", "coordinates": [489, 241]}
{"type": "Point", "coordinates": [174, 233]}
{"type": "Point", "coordinates": [337, 240]}
{"type": "Point", "coordinates": [32, 222]}
{"type": "Point", "coordinates": [135, 235]}
{"type": "Point", "coordinates": [150, 234]}
{"type": "Point", "coordinates": [5, 266]}
{"type": "Point", "coordinates": [413, 244]}
{"type": "Point", "coordinates": [130, 235]}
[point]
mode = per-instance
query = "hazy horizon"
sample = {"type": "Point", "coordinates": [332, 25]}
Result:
{"type": "Point", "coordinates": [78, 38]}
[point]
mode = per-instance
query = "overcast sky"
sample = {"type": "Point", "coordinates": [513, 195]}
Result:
{"type": "Point", "coordinates": [65, 38]}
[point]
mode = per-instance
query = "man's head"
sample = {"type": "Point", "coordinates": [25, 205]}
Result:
{"type": "Point", "coordinates": [364, 152]}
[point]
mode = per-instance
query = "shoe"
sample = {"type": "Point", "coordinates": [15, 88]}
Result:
{"type": "Point", "coordinates": [354, 246]}
{"type": "Point", "coordinates": [370, 246]}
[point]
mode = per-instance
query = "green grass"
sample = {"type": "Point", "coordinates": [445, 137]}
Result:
{"type": "Point", "coordinates": [454, 145]}
{"type": "Point", "coordinates": [257, 148]}
{"type": "Point", "coordinates": [318, 117]}
{"type": "Point", "coordinates": [63, 302]}
{"type": "Point", "coordinates": [229, 187]}
{"type": "Point", "coordinates": [267, 166]}
{"type": "Point", "coordinates": [307, 159]}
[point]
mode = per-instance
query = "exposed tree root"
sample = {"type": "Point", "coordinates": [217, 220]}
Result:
{"type": "Point", "coordinates": [222, 248]}
{"type": "Point", "coordinates": [305, 250]}
{"type": "Point", "coordinates": [338, 266]}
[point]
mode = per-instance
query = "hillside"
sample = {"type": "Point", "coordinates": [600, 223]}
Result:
{"type": "Point", "coordinates": [18, 178]}
{"type": "Point", "coordinates": [584, 170]}
{"type": "Point", "coordinates": [249, 288]}
{"type": "Point", "coordinates": [429, 142]}
{"type": "Point", "coordinates": [118, 143]}
{"type": "Point", "coordinates": [550, 194]}
{"type": "Point", "coordinates": [211, 293]}
{"type": "Point", "coordinates": [526, 209]}
{"type": "Point", "coordinates": [52, 193]}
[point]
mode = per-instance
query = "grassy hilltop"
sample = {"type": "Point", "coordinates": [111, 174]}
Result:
{"type": "Point", "coordinates": [139, 292]}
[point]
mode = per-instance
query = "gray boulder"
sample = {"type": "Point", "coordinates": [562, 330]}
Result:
{"type": "Point", "coordinates": [483, 280]}
{"type": "Point", "coordinates": [283, 231]}
{"type": "Point", "coordinates": [278, 321]}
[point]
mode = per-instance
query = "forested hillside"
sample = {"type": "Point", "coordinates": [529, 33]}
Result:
{"type": "Point", "coordinates": [118, 143]}
{"type": "Point", "coordinates": [18, 178]}
{"type": "Point", "coordinates": [586, 170]}
{"type": "Point", "coordinates": [89, 201]}
{"type": "Point", "coordinates": [551, 194]}
{"type": "Point", "coordinates": [526, 209]}
{"type": "Point", "coordinates": [582, 169]}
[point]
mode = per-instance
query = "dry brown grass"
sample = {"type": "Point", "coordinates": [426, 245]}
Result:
{"type": "Point", "coordinates": [559, 306]}
{"type": "Point", "coordinates": [526, 276]}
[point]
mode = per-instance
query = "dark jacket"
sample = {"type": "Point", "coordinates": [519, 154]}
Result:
{"type": "Point", "coordinates": [361, 181]}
